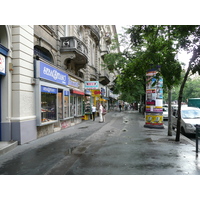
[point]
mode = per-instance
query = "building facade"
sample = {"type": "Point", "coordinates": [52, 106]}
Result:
{"type": "Point", "coordinates": [50, 75]}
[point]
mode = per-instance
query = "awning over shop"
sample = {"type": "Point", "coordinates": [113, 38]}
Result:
{"type": "Point", "coordinates": [72, 91]}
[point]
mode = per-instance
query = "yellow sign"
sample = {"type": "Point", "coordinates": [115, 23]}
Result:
{"type": "Point", "coordinates": [154, 119]}
{"type": "Point", "coordinates": [96, 93]}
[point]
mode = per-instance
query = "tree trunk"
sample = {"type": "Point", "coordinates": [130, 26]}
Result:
{"type": "Point", "coordinates": [169, 113]}
{"type": "Point", "coordinates": [178, 129]}
{"type": "Point", "coordinates": [194, 57]}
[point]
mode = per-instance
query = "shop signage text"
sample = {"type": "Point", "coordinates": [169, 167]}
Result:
{"type": "Point", "coordinates": [50, 73]}
{"type": "Point", "coordinates": [73, 82]}
{"type": "Point", "coordinates": [48, 89]}
{"type": "Point", "coordinates": [91, 85]}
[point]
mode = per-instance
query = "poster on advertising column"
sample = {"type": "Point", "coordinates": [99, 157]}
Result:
{"type": "Point", "coordinates": [154, 100]}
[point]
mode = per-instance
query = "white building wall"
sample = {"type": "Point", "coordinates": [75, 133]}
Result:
{"type": "Point", "coordinates": [23, 99]}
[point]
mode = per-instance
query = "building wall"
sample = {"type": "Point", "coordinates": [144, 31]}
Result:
{"type": "Point", "coordinates": [6, 82]}
{"type": "Point", "coordinates": [23, 120]}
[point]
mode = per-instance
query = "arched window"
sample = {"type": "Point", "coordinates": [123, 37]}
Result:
{"type": "Point", "coordinates": [3, 36]}
{"type": "Point", "coordinates": [43, 53]}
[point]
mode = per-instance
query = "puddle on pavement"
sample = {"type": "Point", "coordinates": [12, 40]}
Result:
{"type": "Point", "coordinates": [75, 150]}
{"type": "Point", "coordinates": [69, 151]}
{"type": "Point", "coordinates": [83, 127]}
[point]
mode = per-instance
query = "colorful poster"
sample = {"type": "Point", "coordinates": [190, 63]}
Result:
{"type": "Point", "coordinates": [154, 100]}
{"type": "Point", "coordinates": [154, 119]}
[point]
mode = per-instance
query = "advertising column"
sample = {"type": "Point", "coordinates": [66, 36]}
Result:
{"type": "Point", "coordinates": [154, 101]}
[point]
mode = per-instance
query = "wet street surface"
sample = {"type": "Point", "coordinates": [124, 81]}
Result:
{"type": "Point", "coordinates": [121, 146]}
{"type": "Point", "coordinates": [39, 159]}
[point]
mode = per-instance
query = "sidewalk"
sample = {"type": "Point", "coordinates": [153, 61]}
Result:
{"type": "Point", "coordinates": [6, 146]}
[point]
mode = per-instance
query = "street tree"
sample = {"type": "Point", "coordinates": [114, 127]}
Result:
{"type": "Point", "coordinates": [157, 45]}
{"type": "Point", "coordinates": [153, 45]}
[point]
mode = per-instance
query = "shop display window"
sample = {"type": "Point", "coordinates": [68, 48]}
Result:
{"type": "Point", "coordinates": [60, 104]}
{"type": "Point", "coordinates": [48, 104]}
{"type": "Point", "coordinates": [87, 105]}
{"type": "Point", "coordinates": [72, 106]}
{"type": "Point", "coordinates": [79, 105]}
{"type": "Point", "coordinates": [66, 104]}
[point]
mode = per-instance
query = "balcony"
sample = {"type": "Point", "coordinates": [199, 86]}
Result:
{"type": "Point", "coordinates": [104, 77]}
{"type": "Point", "coordinates": [73, 48]}
{"type": "Point", "coordinates": [104, 50]}
{"type": "Point", "coordinates": [107, 38]}
{"type": "Point", "coordinates": [95, 32]}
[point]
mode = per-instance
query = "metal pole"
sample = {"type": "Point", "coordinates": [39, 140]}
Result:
{"type": "Point", "coordinates": [197, 142]}
{"type": "Point", "coordinates": [197, 137]}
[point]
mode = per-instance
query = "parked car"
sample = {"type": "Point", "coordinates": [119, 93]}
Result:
{"type": "Point", "coordinates": [190, 116]}
{"type": "Point", "coordinates": [165, 113]}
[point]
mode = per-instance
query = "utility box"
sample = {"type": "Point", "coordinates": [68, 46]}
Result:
{"type": "Point", "coordinates": [194, 102]}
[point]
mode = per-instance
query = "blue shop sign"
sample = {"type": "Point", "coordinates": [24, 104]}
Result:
{"type": "Point", "coordinates": [49, 90]}
{"type": "Point", "coordinates": [66, 93]}
{"type": "Point", "coordinates": [52, 74]}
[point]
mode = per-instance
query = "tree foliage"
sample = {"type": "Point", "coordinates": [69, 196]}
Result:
{"type": "Point", "coordinates": [153, 45]}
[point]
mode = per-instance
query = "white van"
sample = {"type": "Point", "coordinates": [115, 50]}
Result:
{"type": "Point", "coordinates": [190, 116]}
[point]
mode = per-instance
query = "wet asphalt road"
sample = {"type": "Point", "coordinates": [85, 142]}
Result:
{"type": "Point", "coordinates": [121, 146]}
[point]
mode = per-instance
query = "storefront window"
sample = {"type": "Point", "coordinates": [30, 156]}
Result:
{"type": "Point", "coordinates": [66, 104]}
{"type": "Point", "coordinates": [79, 105]}
{"type": "Point", "coordinates": [60, 104]}
{"type": "Point", "coordinates": [88, 105]}
{"type": "Point", "coordinates": [72, 106]}
{"type": "Point", "coordinates": [48, 104]}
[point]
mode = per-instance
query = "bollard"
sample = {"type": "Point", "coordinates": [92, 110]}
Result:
{"type": "Point", "coordinates": [197, 136]}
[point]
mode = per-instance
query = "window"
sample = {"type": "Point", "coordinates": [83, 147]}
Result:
{"type": "Point", "coordinates": [60, 104]}
{"type": "Point", "coordinates": [79, 106]}
{"type": "Point", "coordinates": [72, 106]}
{"type": "Point", "coordinates": [43, 53]}
{"type": "Point", "coordinates": [48, 104]}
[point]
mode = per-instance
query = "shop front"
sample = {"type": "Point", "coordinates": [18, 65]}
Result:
{"type": "Point", "coordinates": [88, 102]}
{"type": "Point", "coordinates": [52, 99]}
{"type": "Point", "coordinates": [76, 100]}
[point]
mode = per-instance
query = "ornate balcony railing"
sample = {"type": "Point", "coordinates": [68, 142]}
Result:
{"type": "Point", "coordinates": [69, 44]}
{"type": "Point", "coordinates": [95, 32]}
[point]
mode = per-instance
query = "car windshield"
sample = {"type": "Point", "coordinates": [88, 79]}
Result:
{"type": "Point", "coordinates": [190, 114]}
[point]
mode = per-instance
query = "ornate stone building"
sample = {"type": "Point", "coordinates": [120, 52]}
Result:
{"type": "Point", "coordinates": [46, 67]}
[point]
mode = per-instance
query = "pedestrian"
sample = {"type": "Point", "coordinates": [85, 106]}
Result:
{"type": "Point", "coordinates": [100, 113]}
{"type": "Point", "coordinates": [93, 112]}
{"type": "Point", "coordinates": [104, 113]}
{"type": "Point", "coordinates": [120, 107]}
